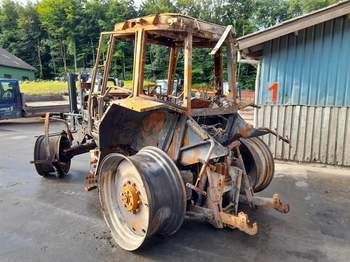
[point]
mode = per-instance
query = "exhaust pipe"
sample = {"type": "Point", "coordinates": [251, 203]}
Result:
{"type": "Point", "coordinates": [72, 90]}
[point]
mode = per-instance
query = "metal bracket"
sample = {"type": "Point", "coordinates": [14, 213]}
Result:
{"type": "Point", "coordinates": [196, 188]}
{"type": "Point", "coordinates": [274, 202]}
{"type": "Point", "coordinates": [236, 178]}
{"type": "Point", "coordinates": [228, 30]}
{"type": "Point", "coordinates": [215, 189]}
{"type": "Point", "coordinates": [240, 222]}
{"type": "Point", "coordinates": [91, 178]}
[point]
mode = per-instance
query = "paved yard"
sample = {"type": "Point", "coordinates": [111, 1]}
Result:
{"type": "Point", "coordinates": [55, 220]}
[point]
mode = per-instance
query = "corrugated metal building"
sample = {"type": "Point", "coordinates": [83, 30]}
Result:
{"type": "Point", "coordinates": [306, 63]}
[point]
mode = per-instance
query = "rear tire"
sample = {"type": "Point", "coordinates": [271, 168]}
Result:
{"type": "Point", "coordinates": [60, 164]}
{"type": "Point", "coordinates": [140, 196]}
{"type": "Point", "coordinates": [258, 162]}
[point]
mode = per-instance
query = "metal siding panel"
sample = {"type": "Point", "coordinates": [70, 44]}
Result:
{"type": "Point", "coordinates": [347, 86]}
{"type": "Point", "coordinates": [274, 61]}
{"type": "Point", "coordinates": [346, 156]}
{"type": "Point", "coordinates": [262, 81]}
{"type": "Point", "coordinates": [261, 119]}
{"type": "Point", "coordinates": [295, 132]}
{"type": "Point", "coordinates": [324, 134]}
{"type": "Point", "coordinates": [287, 131]}
{"type": "Point", "coordinates": [281, 70]}
{"type": "Point", "coordinates": [309, 133]}
{"type": "Point", "coordinates": [264, 92]}
{"type": "Point", "coordinates": [340, 141]}
{"type": "Point", "coordinates": [306, 73]}
{"type": "Point", "coordinates": [291, 69]}
{"type": "Point", "coordinates": [268, 123]}
{"type": "Point", "coordinates": [316, 66]}
{"type": "Point", "coordinates": [298, 68]}
{"type": "Point", "coordinates": [273, 126]}
{"type": "Point", "coordinates": [326, 45]}
{"type": "Point", "coordinates": [259, 122]}
{"type": "Point", "coordinates": [332, 135]}
{"type": "Point", "coordinates": [267, 119]}
{"type": "Point", "coordinates": [317, 135]}
{"type": "Point", "coordinates": [302, 131]}
{"type": "Point", "coordinates": [345, 63]}
{"type": "Point", "coordinates": [336, 41]}
{"type": "Point", "coordinates": [340, 73]}
{"type": "Point", "coordinates": [311, 68]}
{"type": "Point", "coordinates": [280, 130]}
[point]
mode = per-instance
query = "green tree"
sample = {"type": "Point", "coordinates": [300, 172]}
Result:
{"type": "Point", "coordinates": [61, 18]}
{"type": "Point", "coordinates": [58, 35]}
{"type": "Point", "coordinates": [305, 6]}
{"type": "Point", "coordinates": [271, 12]}
{"type": "Point", "coordinates": [9, 35]}
{"type": "Point", "coordinates": [31, 35]}
{"type": "Point", "coordinates": [157, 6]}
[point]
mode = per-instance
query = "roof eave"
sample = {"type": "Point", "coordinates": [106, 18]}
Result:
{"type": "Point", "coordinates": [22, 68]}
{"type": "Point", "coordinates": [294, 25]}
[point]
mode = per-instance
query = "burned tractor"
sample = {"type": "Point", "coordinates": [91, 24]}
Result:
{"type": "Point", "coordinates": [160, 156]}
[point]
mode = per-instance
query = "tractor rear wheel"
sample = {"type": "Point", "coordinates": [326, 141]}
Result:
{"type": "Point", "coordinates": [258, 162]}
{"type": "Point", "coordinates": [141, 195]}
{"type": "Point", "coordinates": [52, 159]}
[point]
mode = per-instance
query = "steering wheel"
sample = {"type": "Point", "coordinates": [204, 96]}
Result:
{"type": "Point", "coordinates": [7, 94]}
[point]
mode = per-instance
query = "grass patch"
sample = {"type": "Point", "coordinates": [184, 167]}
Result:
{"type": "Point", "coordinates": [44, 88]}
{"type": "Point", "coordinates": [60, 87]}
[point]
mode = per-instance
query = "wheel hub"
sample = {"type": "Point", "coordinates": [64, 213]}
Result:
{"type": "Point", "coordinates": [130, 197]}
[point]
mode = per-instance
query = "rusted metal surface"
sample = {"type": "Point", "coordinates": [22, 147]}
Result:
{"type": "Point", "coordinates": [91, 178]}
{"type": "Point", "coordinates": [130, 197]}
{"type": "Point", "coordinates": [214, 199]}
{"type": "Point", "coordinates": [258, 162]}
{"type": "Point", "coordinates": [273, 202]}
{"type": "Point", "coordinates": [240, 222]}
{"type": "Point", "coordinates": [160, 196]}
{"type": "Point", "coordinates": [49, 157]}
{"type": "Point", "coordinates": [146, 145]}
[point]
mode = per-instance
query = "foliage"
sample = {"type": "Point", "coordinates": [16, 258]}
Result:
{"type": "Point", "coordinates": [306, 6]}
{"type": "Point", "coordinates": [60, 36]}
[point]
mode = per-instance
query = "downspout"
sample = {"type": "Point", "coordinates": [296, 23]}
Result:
{"type": "Point", "coordinates": [257, 65]}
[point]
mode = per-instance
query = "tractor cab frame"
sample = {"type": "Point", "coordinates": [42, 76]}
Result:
{"type": "Point", "coordinates": [175, 32]}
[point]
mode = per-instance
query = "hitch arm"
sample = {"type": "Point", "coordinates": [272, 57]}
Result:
{"type": "Point", "coordinates": [274, 202]}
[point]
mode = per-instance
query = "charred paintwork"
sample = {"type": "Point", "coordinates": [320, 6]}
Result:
{"type": "Point", "coordinates": [156, 156]}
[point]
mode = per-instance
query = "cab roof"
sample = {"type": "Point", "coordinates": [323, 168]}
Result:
{"type": "Point", "coordinates": [169, 29]}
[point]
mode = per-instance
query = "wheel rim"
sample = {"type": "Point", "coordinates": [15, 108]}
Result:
{"type": "Point", "coordinates": [258, 161]}
{"type": "Point", "coordinates": [117, 216]}
{"type": "Point", "coordinates": [132, 208]}
{"type": "Point", "coordinates": [270, 164]}
{"type": "Point", "coordinates": [59, 162]}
